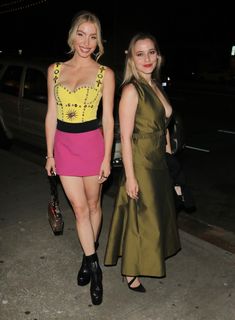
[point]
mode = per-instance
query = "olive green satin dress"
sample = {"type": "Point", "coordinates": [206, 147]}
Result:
{"type": "Point", "coordinates": [144, 232]}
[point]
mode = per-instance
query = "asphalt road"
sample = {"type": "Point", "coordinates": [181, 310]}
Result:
{"type": "Point", "coordinates": [209, 157]}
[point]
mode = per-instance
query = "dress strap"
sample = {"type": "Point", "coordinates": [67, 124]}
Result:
{"type": "Point", "coordinates": [100, 77]}
{"type": "Point", "coordinates": [57, 68]}
{"type": "Point", "coordinates": [138, 88]}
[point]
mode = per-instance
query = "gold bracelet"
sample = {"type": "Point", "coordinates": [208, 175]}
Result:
{"type": "Point", "coordinates": [49, 157]}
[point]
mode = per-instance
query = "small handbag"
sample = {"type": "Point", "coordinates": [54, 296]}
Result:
{"type": "Point", "coordinates": [55, 217]}
{"type": "Point", "coordinates": [185, 201]}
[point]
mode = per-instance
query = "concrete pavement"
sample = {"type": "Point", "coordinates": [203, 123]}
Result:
{"type": "Point", "coordinates": [38, 270]}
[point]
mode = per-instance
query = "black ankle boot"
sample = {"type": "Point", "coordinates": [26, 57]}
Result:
{"type": "Point", "coordinates": [96, 288]}
{"type": "Point", "coordinates": [83, 277]}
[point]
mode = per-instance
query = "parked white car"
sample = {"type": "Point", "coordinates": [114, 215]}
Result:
{"type": "Point", "coordinates": [23, 101]}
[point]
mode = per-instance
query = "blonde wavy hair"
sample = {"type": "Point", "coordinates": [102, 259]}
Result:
{"type": "Point", "coordinates": [130, 71]}
{"type": "Point", "coordinates": [80, 18]}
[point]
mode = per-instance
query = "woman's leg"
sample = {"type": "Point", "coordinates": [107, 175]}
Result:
{"type": "Point", "coordinates": [75, 191]}
{"type": "Point", "coordinates": [84, 196]}
{"type": "Point", "coordinates": [93, 194]}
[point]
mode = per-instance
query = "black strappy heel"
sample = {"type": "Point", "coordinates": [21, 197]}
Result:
{"type": "Point", "coordinates": [140, 287]}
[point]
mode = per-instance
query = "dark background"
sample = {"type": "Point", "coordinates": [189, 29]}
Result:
{"type": "Point", "coordinates": [193, 35]}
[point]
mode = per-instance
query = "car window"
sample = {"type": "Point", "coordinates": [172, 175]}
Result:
{"type": "Point", "coordinates": [10, 81]}
{"type": "Point", "coordinates": [35, 86]}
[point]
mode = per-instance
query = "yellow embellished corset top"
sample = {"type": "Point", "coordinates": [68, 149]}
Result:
{"type": "Point", "coordinates": [79, 105]}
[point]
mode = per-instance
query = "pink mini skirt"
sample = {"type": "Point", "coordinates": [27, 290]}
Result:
{"type": "Point", "coordinates": [78, 154]}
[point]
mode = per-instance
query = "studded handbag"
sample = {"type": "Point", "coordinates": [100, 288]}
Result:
{"type": "Point", "coordinates": [55, 217]}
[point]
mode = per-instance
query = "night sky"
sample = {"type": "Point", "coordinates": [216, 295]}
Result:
{"type": "Point", "coordinates": [191, 35]}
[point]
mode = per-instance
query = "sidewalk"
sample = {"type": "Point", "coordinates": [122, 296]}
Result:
{"type": "Point", "coordinates": [38, 270]}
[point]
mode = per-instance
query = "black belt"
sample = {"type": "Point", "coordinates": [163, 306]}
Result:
{"type": "Point", "coordinates": [78, 127]}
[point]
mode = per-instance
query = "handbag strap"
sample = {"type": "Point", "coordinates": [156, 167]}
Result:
{"type": "Point", "coordinates": [53, 187]}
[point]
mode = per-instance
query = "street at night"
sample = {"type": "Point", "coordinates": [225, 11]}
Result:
{"type": "Point", "coordinates": [38, 269]}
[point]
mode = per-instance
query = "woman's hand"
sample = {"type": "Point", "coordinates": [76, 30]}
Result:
{"type": "Point", "coordinates": [50, 167]}
{"type": "Point", "coordinates": [105, 171]}
{"type": "Point", "coordinates": [132, 188]}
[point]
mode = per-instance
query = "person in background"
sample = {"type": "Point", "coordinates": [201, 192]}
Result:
{"type": "Point", "coordinates": [77, 149]}
{"type": "Point", "coordinates": [143, 230]}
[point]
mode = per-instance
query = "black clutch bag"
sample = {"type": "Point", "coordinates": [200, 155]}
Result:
{"type": "Point", "coordinates": [55, 217]}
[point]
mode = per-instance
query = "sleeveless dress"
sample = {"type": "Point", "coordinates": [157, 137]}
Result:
{"type": "Point", "coordinates": [79, 143]}
{"type": "Point", "coordinates": [144, 232]}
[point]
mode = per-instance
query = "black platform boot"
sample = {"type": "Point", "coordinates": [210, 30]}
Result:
{"type": "Point", "coordinates": [96, 288]}
{"type": "Point", "coordinates": [83, 277]}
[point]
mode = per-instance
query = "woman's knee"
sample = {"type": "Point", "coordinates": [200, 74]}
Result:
{"type": "Point", "coordinates": [94, 207]}
{"type": "Point", "coordinates": [81, 211]}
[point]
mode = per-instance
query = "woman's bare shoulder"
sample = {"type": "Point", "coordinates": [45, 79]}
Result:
{"type": "Point", "coordinates": [108, 70]}
{"type": "Point", "coordinates": [51, 66]}
{"type": "Point", "coordinates": [129, 90]}
{"type": "Point", "coordinates": [109, 74]}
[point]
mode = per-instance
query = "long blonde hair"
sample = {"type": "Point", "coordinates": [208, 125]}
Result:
{"type": "Point", "coordinates": [81, 17]}
{"type": "Point", "coordinates": [130, 68]}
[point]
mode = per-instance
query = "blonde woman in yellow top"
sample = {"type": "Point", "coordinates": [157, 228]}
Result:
{"type": "Point", "coordinates": [77, 150]}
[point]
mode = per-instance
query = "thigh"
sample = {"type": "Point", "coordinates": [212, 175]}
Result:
{"type": "Point", "coordinates": [92, 188]}
{"type": "Point", "coordinates": [74, 189]}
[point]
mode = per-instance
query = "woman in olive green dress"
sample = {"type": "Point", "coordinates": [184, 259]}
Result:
{"type": "Point", "coordinates": [143, 230]}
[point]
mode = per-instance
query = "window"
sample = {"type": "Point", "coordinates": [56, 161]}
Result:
{"type": "Point", "coordinates": [35, 87]}
{"type": "Point", "coordinates": [10, 81]}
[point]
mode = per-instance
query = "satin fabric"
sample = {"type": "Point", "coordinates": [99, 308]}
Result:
{"type": "Point", "coordinates": [144, 232]}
